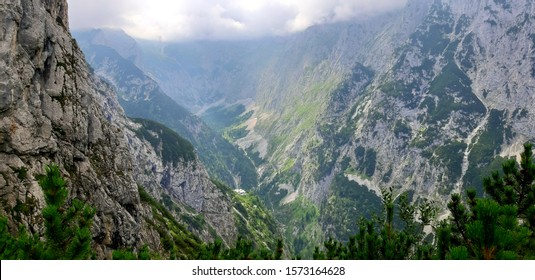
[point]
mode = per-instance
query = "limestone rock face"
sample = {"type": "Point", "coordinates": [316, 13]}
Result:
{"type": "Point", "coordinates": [51, 113]}
{"type": "Point", "coordinates": [53, 109]}
{"type": "Point", "coordinates": [187, 184]}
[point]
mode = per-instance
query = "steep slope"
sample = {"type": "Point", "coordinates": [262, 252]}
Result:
{"type": "Point", "coordinates": [53, 113]}
{"type": "Point", "coordinates": [141, 97]}
{"type": "Point", "coordinates": [454, 99]}
{"type": "Point", "coordinates": [437, 106]}
{"type": "Point", "coordinates": [167, 167]}
{"type": "Point", "coordinates": [55, 110]}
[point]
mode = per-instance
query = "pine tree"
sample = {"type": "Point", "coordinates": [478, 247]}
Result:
{"type": "Point", "coordinates": [68, 234]}
{"type": "Point", "coordinates": [67, 229]}
{"type": "Point", "coordinates": [378, 238]}
{"type": "Point", "coordinates": [21, 247]}
{"type": "Point", "coordinates": [243, 250]}
{"type": "Point", "coordinates": [516, 187]}
{"type": "Point", "coordinates": [497, 228]}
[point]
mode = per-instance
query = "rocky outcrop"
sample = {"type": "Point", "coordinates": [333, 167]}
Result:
{"type": "Point", "coordinates": [185, 182]}
{"type": "Point", "coordinates": [53, 114]}
{"type": "Point", "coordinates": [439, 113]}
{"type": "Point", "coordinates": [53, 109]}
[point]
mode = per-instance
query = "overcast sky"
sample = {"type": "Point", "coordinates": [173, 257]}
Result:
{"type": "Point", "coordinates": [217, 19]}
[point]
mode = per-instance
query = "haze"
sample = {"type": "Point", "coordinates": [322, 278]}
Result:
{"type": "Point", "coordinates": [218, 20]}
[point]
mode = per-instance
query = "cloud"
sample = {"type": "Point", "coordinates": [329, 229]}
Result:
{"type": "Point", "coordinates": [98, 13]}
{"type": "Point", "coordinates": [218, 19]}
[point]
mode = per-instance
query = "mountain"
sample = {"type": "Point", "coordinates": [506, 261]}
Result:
{"type": "Point", "coordinates": [145, 182]}
{"type": "Point", "coordinates": [142, 97]}
{"type": "Point", "coordinates": [422, 99]}
{"type": "Point", "coordinates": [450, 98]}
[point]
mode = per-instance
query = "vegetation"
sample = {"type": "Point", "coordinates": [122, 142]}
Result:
{"type": "Point", "coordinates": [220, 117]}
{"type": "Point", "coordinates": [242, 250]}
{"type": "Point", "coordinates": [482, 157]}
{"type": "Point", "coordinates": [253, 220]}
{"type": "Point", "coordinates": [366, 160]}
{"type": "Point", "coordinates": [499, 227]}
{"type": "Point", "coordinates": [302, 217]}
{"type": "Point", "coordinates": [433, 39]}
{"type": "Point", "coordinates": [128, 254]}
{"type": "Point", "coordinates": [450, 155]}
{"type": "Point", "coordinates": [67, 228]}
{"type": "Point", "coordinates": [236, 132]}
{"type": "Point", "coordinates": [177, 240]}
{"type": "Point", "coordinates": [173, 147]}
{"type": "Point", "coordinates": [347, 201]}
{"type": "Point", "coordinates": [271, 193]}
{"type": "Point", "coordinates": [452, 83]}
{"type": "Point", "coordinates": [377, 238]}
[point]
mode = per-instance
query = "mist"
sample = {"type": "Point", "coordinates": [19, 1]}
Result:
{"type": "Point", "coordinates": [218, 19]}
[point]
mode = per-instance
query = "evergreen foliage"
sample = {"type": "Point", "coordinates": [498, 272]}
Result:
{"type": "Point", "coordinates": [378, 238]}
{"type": "Point", "coordinates": [128, 254]}
{"type": "Point", "coordinates": [243, 250]}
{"type": "Point", "coordinates": [21, 247]}
{"type": "Point", "coordinates": [173, 147]}
{"type": "Point", "coordinates": [67, 229]}
{"type": "Point", "coordinates": [499, 227]}
{"type": "Point", "coordinates": [178, 242]}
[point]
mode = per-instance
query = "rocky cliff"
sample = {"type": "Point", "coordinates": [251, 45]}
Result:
{"type": "Point", "coordinates": [54, 109]}
{"type": "Point", "coordinates": [447, 102]}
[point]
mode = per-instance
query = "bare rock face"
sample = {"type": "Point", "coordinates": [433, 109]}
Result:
{"type": "Point", "coordinates": [51, 113]}
{"type": "Point", "coordinates": [187, 184]}
{"type": "Point", "coordinates": [54, 110]}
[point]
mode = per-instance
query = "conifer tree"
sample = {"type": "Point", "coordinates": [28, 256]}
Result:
{"type": "Point", "coordinates": [21, 247]}
{"type": "Point", "coordinates": [67, 229]}
{"type": "Point", "coordinates": [378, 238]}
{"type": "Point", "coordinates": [516, 187]}
{"type": "Point", "coordinates": [243, 250]}
{"type": "Point", "coordinates": [500, 227]}
{"type": "Point", "coordinates": [67, 233]}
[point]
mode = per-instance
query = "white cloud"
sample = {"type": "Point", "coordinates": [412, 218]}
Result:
{"type": "Point", "coordinates": [218, 19]}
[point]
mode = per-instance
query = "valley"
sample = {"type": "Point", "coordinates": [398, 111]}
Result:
{"type": "Point", "coordinates": [290, 139]}
{"type": "Point", "coordinates": [403, 105]}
